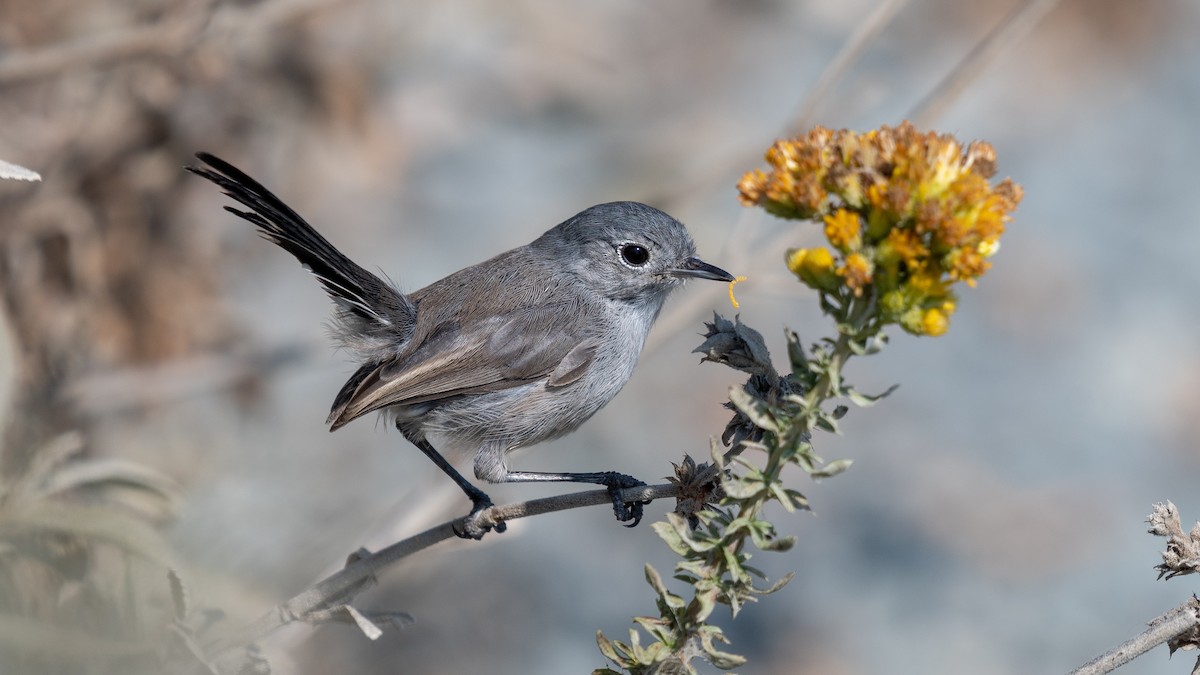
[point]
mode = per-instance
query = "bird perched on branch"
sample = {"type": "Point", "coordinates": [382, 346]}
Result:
{"type": "Point", "coordinates": [519, 349]}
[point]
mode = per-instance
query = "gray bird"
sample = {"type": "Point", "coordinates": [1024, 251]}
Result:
{"type": "Point", "coordinates": [516, 350]}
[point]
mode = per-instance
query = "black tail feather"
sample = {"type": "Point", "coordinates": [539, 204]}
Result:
{"type": "Point", "coordinates": [354, 289]}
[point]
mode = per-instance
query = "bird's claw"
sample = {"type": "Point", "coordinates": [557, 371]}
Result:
{"type": "Point", "coordinates": [629, 513]}
{"type": "Point", "coordinates": [478, 522]}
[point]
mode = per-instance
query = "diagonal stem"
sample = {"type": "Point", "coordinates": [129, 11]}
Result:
{"type": "Point", "coordinates": [1172, 624]}
{"type": "Point", "coordinates": [228, 652]}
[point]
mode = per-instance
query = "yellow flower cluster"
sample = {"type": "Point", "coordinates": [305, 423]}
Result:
{"type": "Point", "coordinates": [908, 214]}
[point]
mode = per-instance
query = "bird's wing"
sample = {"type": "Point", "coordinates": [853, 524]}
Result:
{"type": "Point", "coordinates": [500, 352]}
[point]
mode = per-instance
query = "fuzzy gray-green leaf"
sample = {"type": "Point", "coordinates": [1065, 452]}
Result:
{"type": "Point", "coordinates": [832, 468]}
{"type": "Point", "coordinates": [866, 400]}
{"type": "Point", "coordinates": [670, 535]}
{"type": "Point", "coordinates": [755, 410]}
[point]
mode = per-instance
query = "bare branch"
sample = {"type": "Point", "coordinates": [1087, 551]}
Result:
{"type": "Point", "coordinates": [1177, 622]}
{"type": "Point", "coordinates": [337, 590]}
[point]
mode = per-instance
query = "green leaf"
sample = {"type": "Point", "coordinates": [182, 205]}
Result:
{"type": "Point", "coordinates": [806, 460]}
{"type": "Point", "coordinates": [719, 659]}
{"type": "Point", "coordinates": [716, 453]}
{"type": "Point", "coordinates": [738, 524]}
{"type": "Point", "coordinates": [756, 572]}
{"type": "Point", "coordinates": [699, 569]}
{"type": "Point", "coordinates": [835, 380]}
{"type": "Point", "coordinates": [827, 423]}
{"type": "Point", "coordinates": [798, 500]}
{"type": "Point", "coordinates": [606, 648]}
{"type": "Point", "coordinates": [829, 305]}
{"type": "Point", "coordinates": [654, 653]}
{"type": "Point", "coordinates": [733, 565]}
{"type": "Point", "coordinates": [743, 487]}
{"type": "Point", "coordinates": [702, 606]}
{"type": "Point", "coordinates": [765, 538]}
{"type": "Point", "coordinates": [752, 445]}
{"type": "Point", "coordinates": [858, 347]}
{"type": "Point", "coordinates": [833, 468]}
{"type": "Point", "coordinates": [688, 537]}
{"type": "Point", "coordinates": [781, 495]}
{"type": "Point", "coordinates": [780, 544]}
{"type": "Point", "coordinates": [783, 581]}
{"type": "Point", "coordinates": [795, 351]}
{"type": "Point", "coordinates": [875, 343]}
{"type": "Point", "coordinates": [733, 598]}
{"type": "Point", "coordinates": [668, 598]}
{"type": "Point", "coordinates": [866, 401]}
{"type": "Point", "coordinates": [670, 535]}
{"type": "Point", "coordinates": [750, 468]}
{"type": "Point", "coordinates": [754, 409]}
{"type": "Point", "coordinates": [657, 629]}
{"type": "Point", "coordinates": [655, 580]}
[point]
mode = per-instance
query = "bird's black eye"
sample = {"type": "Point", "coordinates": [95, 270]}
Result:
{"type": "Point", "coordinates": [635, 254]}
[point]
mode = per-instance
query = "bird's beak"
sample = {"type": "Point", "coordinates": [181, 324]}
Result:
{"type": "Point", "coordinates": [697, 268]}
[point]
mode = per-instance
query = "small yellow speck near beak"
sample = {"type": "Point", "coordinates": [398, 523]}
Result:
{"type": "Point", "coordinates": [732, 299]}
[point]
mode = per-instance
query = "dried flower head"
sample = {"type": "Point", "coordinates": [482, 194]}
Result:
{"type": "Point", "coordinates": [908, 214]}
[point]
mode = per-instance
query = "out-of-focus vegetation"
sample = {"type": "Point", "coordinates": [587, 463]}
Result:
{"type": "Point", "coordinates": [162, 400]}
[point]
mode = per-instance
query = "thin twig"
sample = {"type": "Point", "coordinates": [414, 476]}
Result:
{"type": "Point", "coordinates": [1172, 624]}
{"type": "Point", "coordinates": [340, 587]}
{"type": "Point", "coordinates": [1016, 26]}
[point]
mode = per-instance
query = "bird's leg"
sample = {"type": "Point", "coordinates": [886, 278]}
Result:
{"type": "Point", "coordinates": [472, 528]}
{"type": "Point", "coordinates": [626, 512]}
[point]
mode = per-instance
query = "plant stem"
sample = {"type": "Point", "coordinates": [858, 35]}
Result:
{"type": "Point", "coordinates": [1172, 624]}
{"type": "Point", "coordinates": [228, 653]}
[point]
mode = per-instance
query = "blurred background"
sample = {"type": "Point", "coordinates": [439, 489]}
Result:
{"type": "Point", "coordinates": [164, 374]}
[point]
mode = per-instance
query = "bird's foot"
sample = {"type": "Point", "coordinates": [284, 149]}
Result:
{"type": "Point", "coordinates": [630, 512]}
{"type": "Point", "coordinates": [479, 521]}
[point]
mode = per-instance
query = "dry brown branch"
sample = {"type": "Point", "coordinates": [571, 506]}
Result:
{"type": "Point", "coordinates": [1179, 621]}
{"type": "Point", "coordinates": [338, 590]}
{"type": "Point", "coordinates": [1180, 627]}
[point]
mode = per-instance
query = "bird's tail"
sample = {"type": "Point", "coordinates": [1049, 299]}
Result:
{"type": "Point", "coordinates": [370, 310]}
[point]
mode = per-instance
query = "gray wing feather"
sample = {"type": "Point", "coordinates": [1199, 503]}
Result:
{"type": "Point", "coordinates": [501, 352]}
